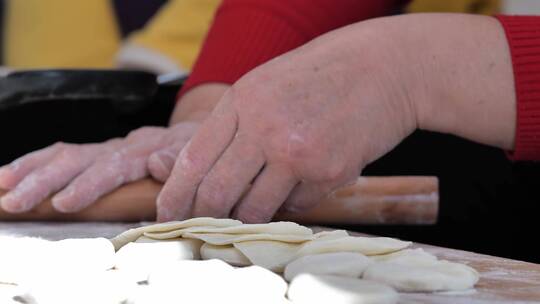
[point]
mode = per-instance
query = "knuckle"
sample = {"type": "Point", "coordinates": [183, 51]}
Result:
{"type": "Point", "coordinates": [144, 133]}
{"type": "Point", "coordinates": [211, 198]}
{"type": "Point", "coordinates": [253, 214]}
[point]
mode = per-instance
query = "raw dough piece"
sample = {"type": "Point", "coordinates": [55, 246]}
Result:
{"type": "Point", "coordinates": [271, 255]}
{"type": "Point", "coordinates": [140, 258]}
{"type": "Point", "coordinates": [107, 287]}
{"type": "Point", "coordinates": [259, 283]}
{"type": "Point", "coordinates": [408, 256]}
{"type": "Point", "coordinates": [331, 234]}
{"type": "Point", "coordinates": [226, 239]}
{"type": "Point", "coordinates": [25, 258]}
{"type": "Point", "coordinates": [308, 288]}
{"type": "Point", "coordinates": [434, 276]}
{"type": "Point", "coordinates": [364, 245]}
{"type": "Point", "coordinates": [226, 253]}
{"type": "Point", "coordinates": [288, 228]}
{"type": "Point", "coordinates": [348, 264]}
{"type": "Point", "coordinates": [133, 234]}
{"type": "Point", "coordinates": [207, 281]}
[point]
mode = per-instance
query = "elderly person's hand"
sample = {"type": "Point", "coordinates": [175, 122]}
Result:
{"type": "Point", "coordinates": [83, 173]}
{"type": "Point", "coordinates": [307, 122]}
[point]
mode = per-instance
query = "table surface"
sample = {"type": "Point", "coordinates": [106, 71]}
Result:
{"type": "Point", "coordinates": [501, 280]}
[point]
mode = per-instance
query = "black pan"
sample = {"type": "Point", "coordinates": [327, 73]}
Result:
{"type": "Point", "coordinates": [40, 107]}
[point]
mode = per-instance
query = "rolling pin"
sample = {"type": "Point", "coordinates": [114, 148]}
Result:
{"type": "Point", "coordinates": [371, 200]}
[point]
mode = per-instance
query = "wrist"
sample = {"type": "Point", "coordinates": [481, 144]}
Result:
{"type": "Point", "coordinates": [198, 103]}
{"type": "Point", "coordinates": [462, 76]}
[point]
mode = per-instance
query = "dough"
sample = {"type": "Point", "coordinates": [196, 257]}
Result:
{"type": "Point", "coordinates": [331, 234]}
{"type": "Point", "coordinates": [364, 245]}
{"type": "Point", "coordinates": [226, 239]}
{"type": "Point", "coordinates": [226, 253]}
{"type": "Point", "coordinates": [288, 228]}
{"type": "Point", "coordinates": [133, 234]}
{"type": "Point", "coordinates": [347, 264]}
{"type": "Point", "coordinates": [259, 283]}
{"type": "Point", "coordinates": [22, 259]}
{"type": "Point", "coordinates": [271, 255]}
{"type": "Point", "coordinates": [140, 258]}
{"type": "Point", "coordinates": [308, 288]}
{"type": "Point", "coordinates": [208, 281]}
{"type": "Point", "coordinates": [107, 287]}
{"type": "Point", "coordinates": [408, 256]}
{"type": "Point", "coordinates": [433, 276]}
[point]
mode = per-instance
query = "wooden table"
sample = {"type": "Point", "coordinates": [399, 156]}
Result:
{"type": "Point", "coordinates": [502, 280]}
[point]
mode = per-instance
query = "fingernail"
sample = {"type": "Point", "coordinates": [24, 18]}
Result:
{"type": "Point", "coordinates": [60, 201]}
{"type": "Point", "coordinates": [5, 173]}
{"type": "Point", "coordinates": [166, 160]}
{"type": "Point", "coordinates": [9, 202]}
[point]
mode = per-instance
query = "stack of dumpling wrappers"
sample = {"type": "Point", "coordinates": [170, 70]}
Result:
{"type": "Point", "coordinates": [205, 260]}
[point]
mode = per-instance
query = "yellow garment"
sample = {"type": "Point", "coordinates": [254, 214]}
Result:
{"type": "Point", "coordinates": [178, 30]}
{"type": "Point", "coordinates": [486, 7]}
{"type": "Point", "coordinates": [60, 33]}
{"type": "Point", "coordinates": [85, 34]}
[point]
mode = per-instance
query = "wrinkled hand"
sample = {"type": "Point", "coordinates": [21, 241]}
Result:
{"type": "Point", "coordinates": [295, 129]}
{"type": "Point", "coordinates": [86, 172]}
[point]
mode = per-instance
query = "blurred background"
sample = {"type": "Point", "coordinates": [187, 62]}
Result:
{"type": "Point", "coordinates": [488, 203]}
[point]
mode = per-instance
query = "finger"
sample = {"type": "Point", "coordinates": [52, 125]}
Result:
{"type": "Point", "coordinates": [101, 178]}
{"type": "Point", "coordinates": [270, 189]}
{"type": "Point", "coordinates": [12, 174]}
{"type": "Point", "coordinates": [195, 161]}
{"type": "Point", "coordinates": [37, 186]}
{"type": "Point", "coordinates": [161, 163]}
{"type": "Point", "coordinates": [223, 186]}
{"type": "Point", "coordinates": [306, 195]}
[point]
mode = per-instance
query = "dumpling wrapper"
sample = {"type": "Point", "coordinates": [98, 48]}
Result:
{"type": "Point", "coordinates": [23, 259]}
{"type": "Point", "coordinates": [308, 288]}
{"type": "Point", "coordinates": [133, 234]}
{"type": "Point", "coordinates": [434, 276]}
{"type": "Point", "coordinates": [346, 264]}
{"type": "Point", "coordinates": [226, 253]}
{"type": "Point", "coordinates": [139, 259]}
{"type": "Point", "coordinates": [288, 228]}
{"type": "Point", "coordinates": [363, 245]}
{"type": "Point", "coordinates": [408, 256]}
{"type": "Point", "coordinates": [258, 283]}
{"type": "Point", "coordinates": [271, 255]}
{"type": "Point", "coordinates": [227, 239]}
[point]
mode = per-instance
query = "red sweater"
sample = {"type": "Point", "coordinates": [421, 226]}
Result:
{"type": "Point", "coordinates": [247, 33]}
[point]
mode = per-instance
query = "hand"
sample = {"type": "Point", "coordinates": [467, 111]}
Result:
{"type": "Point", "coordinates": [87, 172]}
{"type": "Point", "coordinates": [307, 122]}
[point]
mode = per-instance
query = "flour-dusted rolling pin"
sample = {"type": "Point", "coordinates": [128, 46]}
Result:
{"type": "Point", "coordinates": [371, 200]}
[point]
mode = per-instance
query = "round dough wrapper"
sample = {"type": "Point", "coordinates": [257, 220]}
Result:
{"type": "Point", "coordinates": [271, 255]}
{"type": "Point", "coordinates": [284, 228]}
{"type": "Point", "coordinates": [408, 256]}
{"type": "Point", "coordinates": [259, 283]}
{"type": "Point", "coordinates": [139, 259]}
{"type": "Point", "coordinates": [348, 264]}
{"type": "Point", "coordinates": [226, 253]}
{"type": "Point", "coordinates": [227, 239]}
{"type": "Point", "coordinates": [19, 261]}
{"type": "Point", "coordinates": [132, 234]}
{"type": "Point", "coordinates": [363, 245]}
{"type": "Point", "coordinates": [308, 288]}
{"type": "Point", "coordinates": [434, 276]}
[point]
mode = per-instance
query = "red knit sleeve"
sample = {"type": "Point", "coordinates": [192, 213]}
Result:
{"type": "Point", "coordinates": [523, 34]}
{"type": "Point", "coordinates": [247, 33]}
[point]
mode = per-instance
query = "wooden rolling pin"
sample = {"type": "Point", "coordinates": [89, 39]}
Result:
{"type": "Point", "coordinates": [371, 200]}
